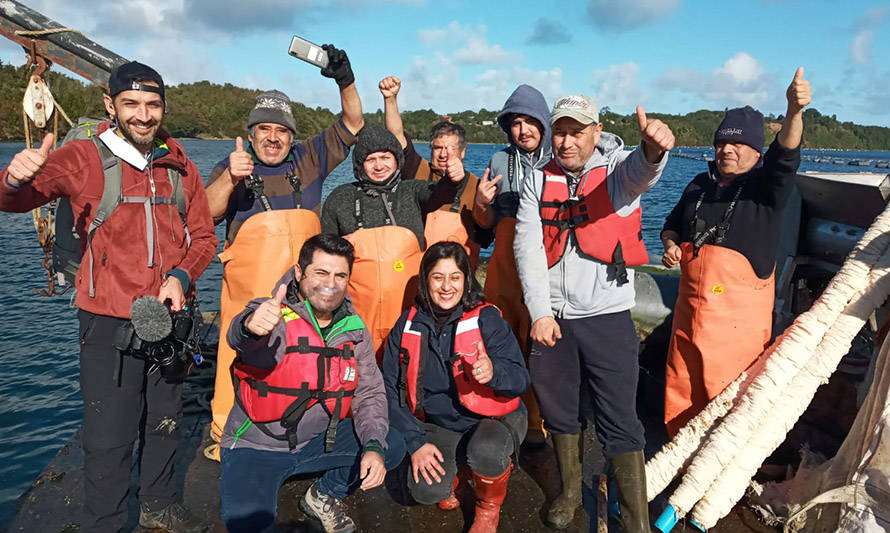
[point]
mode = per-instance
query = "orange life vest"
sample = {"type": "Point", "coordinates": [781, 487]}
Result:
{"type": "Point", "coordinates": [600, 232]}
{"type": "Point", "coordinates": [310, 372]}
{"type": "Point", "coordinates": [473, 395]}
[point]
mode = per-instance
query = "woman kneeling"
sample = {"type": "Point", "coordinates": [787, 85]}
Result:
{"type": "Point", "coordinates": [454, 373]}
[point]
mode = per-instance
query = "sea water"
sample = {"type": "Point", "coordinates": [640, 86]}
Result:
{"type": "Point", "coordinates": [40, 404]}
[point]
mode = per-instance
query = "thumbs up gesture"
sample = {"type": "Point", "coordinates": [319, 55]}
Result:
{"type": "Point", "coordinates": [454, 167]}
{"type": "Point", "coordinates": [265, 317]}
{"type": "Point", "coordinates": [798, 93]}
{"type": "Point", "coordinates": [483, 370]}
{"type": "Point", "coordinates": [240, 162]}
{"type": "Point", "coordinates": [657, 137]}
{"type": "Point", "coordinates": [28, 163]}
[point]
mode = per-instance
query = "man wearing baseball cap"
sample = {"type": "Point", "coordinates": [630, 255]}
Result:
{"type": "Point", "coordinates": [137, 247]}
{"type": "Point", "coordinates": [268, 192]}
{"type": "Point", "coordinates": [724, 233]}
{"type": "Point", "coordinates": [578, 231]}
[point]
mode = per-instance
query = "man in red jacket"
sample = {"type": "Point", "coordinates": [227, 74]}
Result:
{"type": "Point", "coordinates": [147, 248]}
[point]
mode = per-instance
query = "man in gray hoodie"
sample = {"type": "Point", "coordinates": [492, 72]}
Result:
{"type": "Point", "coordinates": [525, 118]}
{"type": "Point", "coordinates": [578, 229]}
{"type": "Point", "coordinates": [304, 358]}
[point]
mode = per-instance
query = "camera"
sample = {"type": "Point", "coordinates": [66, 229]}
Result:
{"type": "Point", "coordinates": [167, 341]}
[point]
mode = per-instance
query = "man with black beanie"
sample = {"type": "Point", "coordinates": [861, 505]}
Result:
{"type": "Point", "coordinates": [382, 215]}
{"type": "Point", "coordinates": [138, 246]}
{"type": "Point", "coordinates": [281, 180]}
{"type": "Point", "coordinates": [724, 233]}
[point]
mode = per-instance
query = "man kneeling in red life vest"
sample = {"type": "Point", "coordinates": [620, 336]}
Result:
{"type": "Point", "coordinates": [451, 343]}
{"type": "Point", "coordinates": [304, 359]}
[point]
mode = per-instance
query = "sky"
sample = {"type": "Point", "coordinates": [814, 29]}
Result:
{"type": "Point", "coordinates": [669, 56]}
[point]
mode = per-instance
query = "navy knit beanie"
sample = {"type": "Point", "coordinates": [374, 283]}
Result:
{"type": "Point", "coordinates": [374, 138]}
{"type": "Point", "coordinates": [741, 125]}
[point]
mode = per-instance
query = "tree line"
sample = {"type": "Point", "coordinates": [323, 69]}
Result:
{"type": "Point", "coordinates": [212, 110]}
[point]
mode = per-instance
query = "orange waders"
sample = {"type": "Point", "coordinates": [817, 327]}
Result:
{"type": "Point", "coordinates": [442, 225]}
{"type": "Point", "coordinates": [503, 289]}
{"type": "Point", "coordinates": [267, 244]}
{"type": "Point", "coordinates": [722, 322]}
{"type": "Point", "coordinates": [384, 277]}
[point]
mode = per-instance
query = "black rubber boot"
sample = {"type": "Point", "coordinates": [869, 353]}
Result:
{"type": "Point", "coordinates": [568, 456]}
{"type": "Point", "coordinates": [629, 469]}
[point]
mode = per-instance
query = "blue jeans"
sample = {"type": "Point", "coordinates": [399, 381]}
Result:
{"type": "Point", "coordinates": [251, 478]}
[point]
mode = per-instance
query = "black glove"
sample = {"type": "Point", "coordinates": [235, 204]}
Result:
{"type": "Point", "coordinates": [338, 66]}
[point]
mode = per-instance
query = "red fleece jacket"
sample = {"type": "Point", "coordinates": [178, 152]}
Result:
{"type": "Point", "coordinates": [120, 250]}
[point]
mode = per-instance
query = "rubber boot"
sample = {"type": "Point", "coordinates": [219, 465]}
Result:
{"type": "Point", "coordinates": [490, 494]}
{"type": "Point", "coordinates": [568, 456]}
{"type": "Point", "coordinates": [629, 469]}
{"type": "Point", "coordinates": [451, 502]}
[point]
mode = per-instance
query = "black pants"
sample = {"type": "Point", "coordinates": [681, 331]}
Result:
{"type": "Point", "coordinates": [600, 352]}
{"type": "Point", "coordinates": [486, 449]}
{"type": "Point", "coordinates": [115, 413]}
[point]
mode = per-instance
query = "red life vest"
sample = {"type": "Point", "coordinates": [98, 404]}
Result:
{"type": "Point", "coordinates": [478, 398]}
{"type": "Point", "coordinates": [310, 372]}
{"type": "Point", "coordinates": [589, 215]}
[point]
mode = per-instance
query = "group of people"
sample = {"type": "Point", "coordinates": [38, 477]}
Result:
{"type": "Point", "coordinates": [376, 342]}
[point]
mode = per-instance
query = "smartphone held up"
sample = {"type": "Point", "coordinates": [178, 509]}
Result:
{"type": "Point", "coordinates": [308, 52]}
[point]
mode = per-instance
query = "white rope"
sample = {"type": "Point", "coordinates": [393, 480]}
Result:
{"type": "Point", "coordinates": [790, 355]}
{"type": "Point", "coordinates": [730, 485]}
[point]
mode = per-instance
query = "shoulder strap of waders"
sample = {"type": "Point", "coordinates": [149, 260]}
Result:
{"type": "Point", "coordinates": [254, 183]}
{"type": "Point", "coordinates": [295, 184]}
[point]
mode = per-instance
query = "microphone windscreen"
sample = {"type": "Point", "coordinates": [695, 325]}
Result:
{"type": "Point", "coordinates": [151, 320]}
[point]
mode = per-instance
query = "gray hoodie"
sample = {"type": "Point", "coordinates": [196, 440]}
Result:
{"type": "Point", "coordinates": [369, 406]}
{"type": "Point", "coordinates": [525, 100]}
{"type": "Point", "coordinates": [578, 287]}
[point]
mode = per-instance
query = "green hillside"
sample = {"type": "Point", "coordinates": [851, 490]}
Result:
{"type": "Point", "coordinates": [210, 110]}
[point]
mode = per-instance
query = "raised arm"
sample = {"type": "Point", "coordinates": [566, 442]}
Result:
{"type": "Point", "coordinates": [389, 88]}
{"type": "Point", "coordinates": [798, 96]}
{"type": "Point", "coordinates": [341, 71]}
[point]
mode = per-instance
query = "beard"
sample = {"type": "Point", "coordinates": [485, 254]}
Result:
{"type": "Point", "coordinates": [139, 139]}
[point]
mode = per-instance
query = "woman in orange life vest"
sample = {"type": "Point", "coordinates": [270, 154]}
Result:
{"type": "Point", "coordinates": [454, 362]}
{"type": "Point", "coordinates": [382, 216]}
{"type": "Point", "coordinates": [724, 233]}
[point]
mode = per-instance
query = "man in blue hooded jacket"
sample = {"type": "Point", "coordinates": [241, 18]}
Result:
{"type": "Point", "coordinates": [525, 119]}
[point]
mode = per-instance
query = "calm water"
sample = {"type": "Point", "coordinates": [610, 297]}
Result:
{"type": "Point", "coordinates": [39, 391]}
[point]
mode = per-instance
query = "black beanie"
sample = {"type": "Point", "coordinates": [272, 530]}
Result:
{"type": "Point", "coordinates": [374, 138]}
{"type": "Point", "coordinates": [741, 125]}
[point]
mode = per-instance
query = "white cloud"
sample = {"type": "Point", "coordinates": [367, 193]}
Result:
{"type": "Point", "coordinates": [478, 51]}
{"type": "Point", "coordinates": [469, 44]}
{"type": "Point", "coordinates": [617, 86]}
{"type": "Point", "coordinates": [741, 80]}
{"type": "Point", "coordinates": [434, 82]}
{"type": "Point", "coordinates": [618, 15]}
{"type": "Point", "coordinates": [860, 48]}
{"type": "Point", "coordinates": [453, 31]}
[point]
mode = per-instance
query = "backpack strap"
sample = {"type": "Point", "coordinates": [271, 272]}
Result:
{"type": "Point", "coordinates": [111, 197]}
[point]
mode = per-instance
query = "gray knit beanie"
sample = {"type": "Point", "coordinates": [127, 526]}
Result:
{"type": "Point", "coordinates": [272, 106]}
{"type": "Point", "coordinates": [374, 138]}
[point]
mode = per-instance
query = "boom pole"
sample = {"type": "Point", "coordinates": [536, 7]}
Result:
{"type": "Point", "coordinates": [45, 40]}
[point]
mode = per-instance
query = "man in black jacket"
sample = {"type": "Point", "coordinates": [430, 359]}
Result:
{"type": "Point", "coordinates": [724, 232]}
